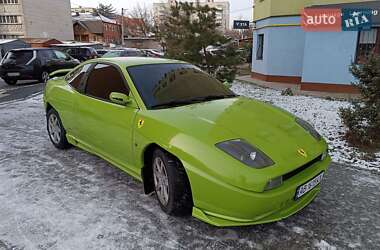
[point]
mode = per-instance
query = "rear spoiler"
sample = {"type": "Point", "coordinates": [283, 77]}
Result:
{"type": "Point", "coordinates": [59, 73]}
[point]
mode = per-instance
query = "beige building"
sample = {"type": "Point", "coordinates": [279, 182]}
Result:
{"type": "Point", "coordinates": [36, 19]}
{"type": "Point", "coordinates": [82, 10]}
{"type": "Point", "coordinates": [162, 9]}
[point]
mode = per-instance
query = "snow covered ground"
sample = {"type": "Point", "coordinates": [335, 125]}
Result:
{"type": "Point", "coordinates": [321, 113]}
{"type": "Point", "coordinates": [53, 199]}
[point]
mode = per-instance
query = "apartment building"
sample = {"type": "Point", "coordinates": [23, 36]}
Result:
{"type": "Point", "coordinates": [162, 9]}
{"type": "Point", "coordinates": [36, 19]}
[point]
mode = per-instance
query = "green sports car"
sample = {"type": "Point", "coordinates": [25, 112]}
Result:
{"type": "Point", "coordinates": [225, 159]}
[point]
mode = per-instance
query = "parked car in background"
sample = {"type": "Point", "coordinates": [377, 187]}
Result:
{"type": "Point", "coordinates": [124, 53]}
{"type": "Point", "coordinates": [101, 52]}
{"type": "Point", "coordinates": [33, 64]}
{"type": "Point", "coordinates": [153, 53]}
{"type": "Point", "coordinates": [82, 53]}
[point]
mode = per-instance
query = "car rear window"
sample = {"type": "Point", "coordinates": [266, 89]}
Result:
{"type": "Point", "coordinates": [19, 57]}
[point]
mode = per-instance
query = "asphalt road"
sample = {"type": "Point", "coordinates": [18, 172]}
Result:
{"type": "Point", "coordinates": [22, 90]}
{"type": "Point", "coordinates": [52, 199]}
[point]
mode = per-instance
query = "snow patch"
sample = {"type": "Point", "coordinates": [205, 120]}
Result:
{"type": "Point", "coordinates": [323, 245]}
{"type": "Point", "coordinates": [298, 230]}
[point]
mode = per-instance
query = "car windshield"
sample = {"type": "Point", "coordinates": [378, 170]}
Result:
{"type": "Point", "coordinates": [133, 53]}
{"type": "Point", "coordinates": [19, 57]}
{"type": "Point", "coordinates": [168, 85]}
{"type": "Point", "coordinates": [115, 53]}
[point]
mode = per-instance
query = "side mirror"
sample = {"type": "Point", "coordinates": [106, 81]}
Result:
{"type": "Point", "coordinates": [120, 98]}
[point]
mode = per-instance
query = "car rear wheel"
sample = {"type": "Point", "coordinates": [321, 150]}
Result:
{"type": "Point", "coordinates": [10, 81]}
{"type": "Point", "coordinates": [44, 76]}
{"type": "Point", "coordinates": [171, 184]}
{"type": "Point", "coordinates": [56, 131]}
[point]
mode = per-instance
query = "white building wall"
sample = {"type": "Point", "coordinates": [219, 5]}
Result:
{"type": "Point", "coordinates": [48, 19]}
{"type": "Point", "coordinates": [12, 30]}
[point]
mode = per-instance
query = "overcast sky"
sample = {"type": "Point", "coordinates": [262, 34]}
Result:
{"type": "Point", "coordinates": [238, 8]}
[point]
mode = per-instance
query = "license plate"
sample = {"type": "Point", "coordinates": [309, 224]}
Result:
{"type": "Point", "coordinates": [305, 188]}
{"type": "Point", "coordinates": [14, 74]}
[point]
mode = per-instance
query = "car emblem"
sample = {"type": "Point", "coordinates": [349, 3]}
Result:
{"type": "Point", "coordinates": [140, 123]}
{"type": "Point", "coordinates": [302, 152]}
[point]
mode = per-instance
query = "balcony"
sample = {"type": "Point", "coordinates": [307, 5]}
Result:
{"type": "Point", "coordinates": [16, 29]}
{"type": "Point", "coordinates": [11, 9]}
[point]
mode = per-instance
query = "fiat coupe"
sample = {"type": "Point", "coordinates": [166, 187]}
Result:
{"type": "Point", "coordinates": [226, 159]}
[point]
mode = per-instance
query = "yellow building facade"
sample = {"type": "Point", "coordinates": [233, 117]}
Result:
{"type": "Point", "coordinates": [273, 8]}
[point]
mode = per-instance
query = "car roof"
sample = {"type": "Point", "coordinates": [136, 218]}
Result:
{"type": "Point", "coordinates": [126, 49]}
{"type": "Point", "coordinates": [135, 61]}
{"type": "Point", "coordinates": [32, 49]}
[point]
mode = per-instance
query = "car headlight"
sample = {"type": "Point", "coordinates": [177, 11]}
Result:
{"type": "Point", "coordinates": [309, 128]}
{"type": "Point", "coordinates": [245, 153]}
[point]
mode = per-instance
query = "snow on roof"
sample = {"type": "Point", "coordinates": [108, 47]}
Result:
{"type": "Point", "coordinates": [3, 41]}
{"type": "Point", "coordinates": [74, 44]}
{"type": "Point", "coordinates": [92, 17]}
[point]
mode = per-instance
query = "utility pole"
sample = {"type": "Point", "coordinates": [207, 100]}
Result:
{"type": "Point", "coordinates": [122, 27]}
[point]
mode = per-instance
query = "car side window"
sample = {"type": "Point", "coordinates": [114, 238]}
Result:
{"type": "Point", "coordinates": [60, 55]}
{"type": "Point", "coordinates": [103, 80]}
{"type": "Point", "coordinates": [75, 77]}
{"type": "Point", "coordinates": [46, 55]}
{"type": "Point", "coordinates": [86, 52]}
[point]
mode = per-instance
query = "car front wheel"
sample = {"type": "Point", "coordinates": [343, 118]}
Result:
{"type": "Point", "coordinates": [171, 184]}
{"type": "Point", "coordinates": [56, 131]}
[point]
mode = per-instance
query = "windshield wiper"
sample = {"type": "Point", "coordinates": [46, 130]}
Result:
{"type": "Point", "coordinates": [176, 103]}
{"type": "Point", "coordinates": [173, 104]}
{"type": "Point", "coordinates": [213, 97]}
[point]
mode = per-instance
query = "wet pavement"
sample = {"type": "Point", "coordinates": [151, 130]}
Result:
{"type": "Point", "coordinates": [22, 90]}
{"type": "Point", "coordinates": [52, 199]}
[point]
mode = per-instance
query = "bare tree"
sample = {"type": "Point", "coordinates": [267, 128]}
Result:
{"type": "Point", "coordinates": [145, 18]}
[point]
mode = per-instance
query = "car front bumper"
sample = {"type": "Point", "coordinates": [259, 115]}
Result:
{"type": "Point", "coordinates": [225, 205]}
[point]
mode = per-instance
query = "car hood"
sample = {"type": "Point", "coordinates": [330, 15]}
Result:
{"type": "Point", "coordinates": [269, 128]}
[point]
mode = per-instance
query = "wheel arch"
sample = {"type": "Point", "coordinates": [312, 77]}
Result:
{"type": "Point", "coordinates": [49, 107]}
{"type": "Point", "coordinates": [147, 171]}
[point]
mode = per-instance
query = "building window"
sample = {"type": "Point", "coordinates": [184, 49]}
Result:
{"type": "Point", "coordinates": [367, 44]}
{"type": "Point", "coordinates": [8, 19]}
{"type": "Point", "coordinates": [260, 47]}
{"type": "Point", "coordinates": [8, 1]}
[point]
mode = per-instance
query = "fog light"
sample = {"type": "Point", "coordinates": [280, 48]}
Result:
{"type": "Point", "coordinates": [273, 183]}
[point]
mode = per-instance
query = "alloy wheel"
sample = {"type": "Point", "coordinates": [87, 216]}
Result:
{"type": "Point", "coordinates": [45, 76]}
{"type": "Point", "coordinates": [161, 181]}
{"type": "Point", "coordinates": [55, 129]}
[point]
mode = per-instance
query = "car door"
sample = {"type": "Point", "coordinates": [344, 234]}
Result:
{"type": "Point", "coordinates": [47, 60]}
{"type": "Point", "coordinates": [75, 79]}
{"type": "Point", "coordinates": [103, 126]}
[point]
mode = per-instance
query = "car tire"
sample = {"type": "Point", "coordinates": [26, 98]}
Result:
{"type": "Point", "coordinates": [169, 174]}
{"type": "Point", "coordinates": [56, 131]}
{"type": "Point", "coordinates": [10, 81]}
{"type": "Point", "coordinates": [44, 76]}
